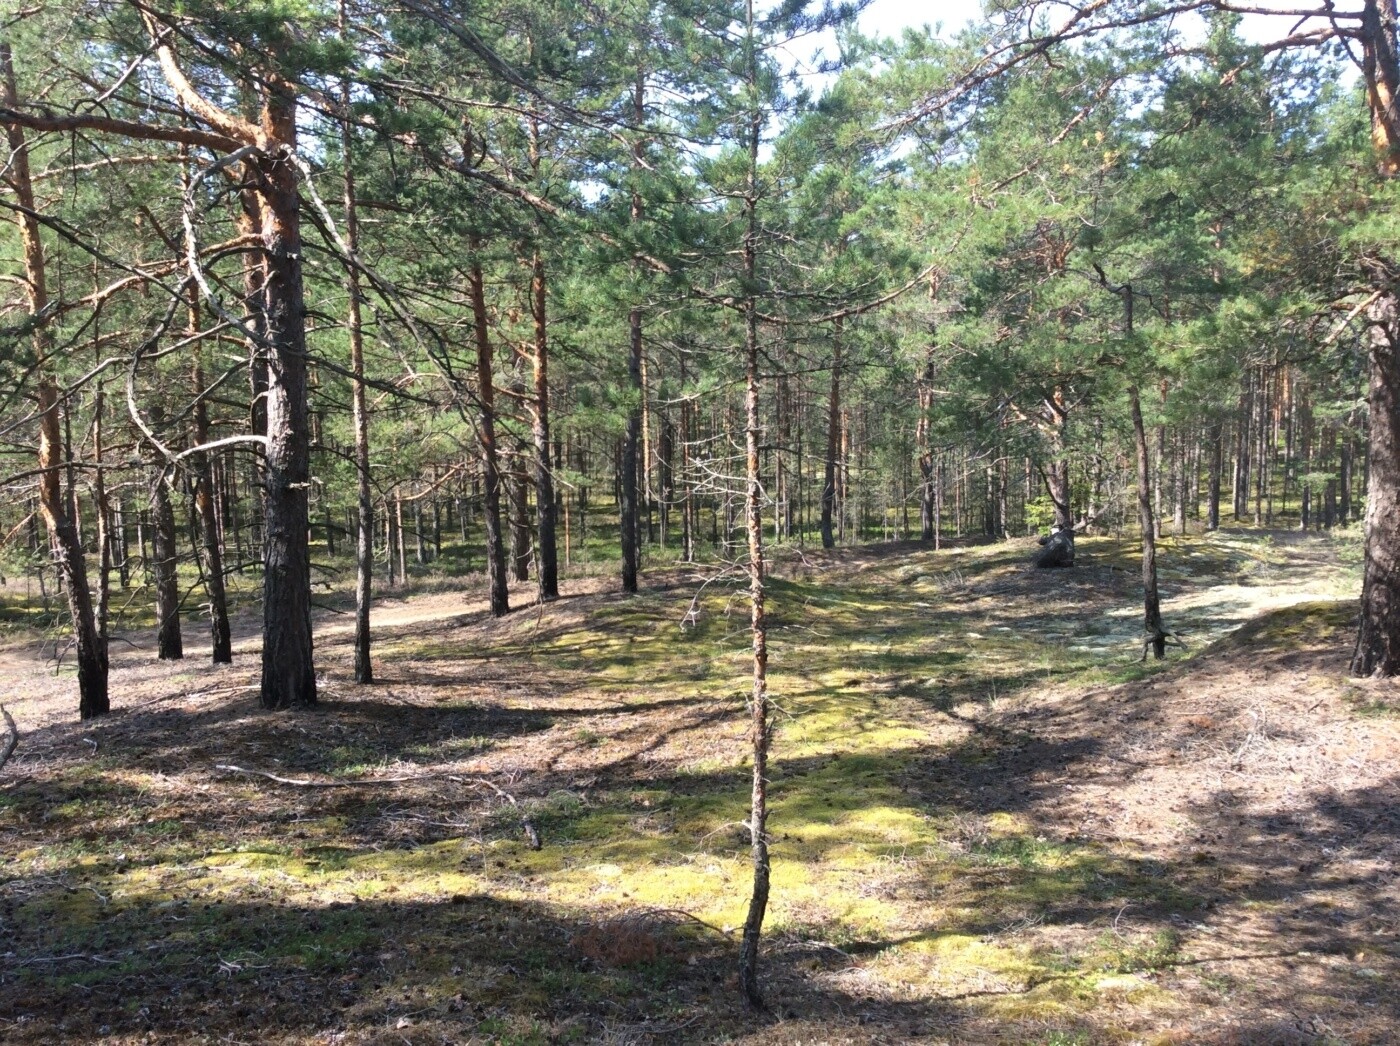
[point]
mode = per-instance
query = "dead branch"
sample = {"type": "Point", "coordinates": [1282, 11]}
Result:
{"type": "Point", "coordinates": [304, 783]}
{"type": "Point", "coordinates": [532, 833]}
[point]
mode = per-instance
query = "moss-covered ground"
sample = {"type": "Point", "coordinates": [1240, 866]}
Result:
{"type": "Point", "coordinates": [989, 822]}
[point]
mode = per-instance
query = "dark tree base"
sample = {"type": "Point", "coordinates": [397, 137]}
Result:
{"type": "Point", "coordinates": [1057, 550]}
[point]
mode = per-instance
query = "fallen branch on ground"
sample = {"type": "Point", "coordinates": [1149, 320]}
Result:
{"type": "Point", "coordinates": [305, 783]}
{"type": "Point", "coordinates": [532, 833]}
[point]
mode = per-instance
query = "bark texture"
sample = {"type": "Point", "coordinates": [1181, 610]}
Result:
{"type": "Point", "coordinates": [1377, 650]}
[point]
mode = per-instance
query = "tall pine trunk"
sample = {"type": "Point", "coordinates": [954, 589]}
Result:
{"type": "Point", "coordinates": [1151, 603]}
{"type": "Point", "coordinates": [497, 582]}
{"type": "Point", "coordinates": [1217, 467]}
{"type": "Point", "coordinates": [629, 514]}
{"type": "Point", "coordinates": [833, 442]}
{"type": "Point", "coordinates": [221, 639]}
{"type": "Point", "coordinates": [546, 507]}
{"type": "Point", "coordinates": [1377, 650]}
{"type": "Point", "coordinates": [288, 673]}
{"type": "Point", "coordinates": [91, 651]}
{"type": "Point", "coordinates": [165, 558]}
{"type": "Point", "coordinates": [359, 409]}
{"type": "Point", "coordinates": [760, 721]}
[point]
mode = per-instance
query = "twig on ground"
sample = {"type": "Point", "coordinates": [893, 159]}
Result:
{"type": "Point", "coordinates": [532, 834]}
{"type": "Point", "coordinates": [36, 960]}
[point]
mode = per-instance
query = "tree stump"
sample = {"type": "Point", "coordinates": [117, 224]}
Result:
{"type": "Point", "coordinates": [1056, 549]}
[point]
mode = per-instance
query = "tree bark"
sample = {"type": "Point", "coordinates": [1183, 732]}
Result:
{"type": "Point", "coordinates": [833, 441]}
{"type": "Point", "coordinates": [90, 650]}
{"type": "Point", "coordinates": [629, 514]}
{"type": "Point", "coordinates": [105, 543]}
{"type": "Point", "coordinates": [288, 672]}
{"type": "Point", "coordinates": [760, 725]}
{"type": "Point", "coordinates": [546, 507]}
{"type": "Point", "coordinates": [497, 581]}
{"type": "Point", "coordinates": [1151, 603]}
{"type": "Point", "coordinates": [1217, 468]}
{"type": "Point", "coordinates": [516, 484]}
{"type": "Point", "coordinates": [922, 443]}
{"type": "Point", "coordinates": [165, 557]}
{"type": "Point", "coordinates": [221, 639]}
{"type": "Point", "coordinates": [1377, 650]}
{"type": "Point", "coordinates": [359, 408]}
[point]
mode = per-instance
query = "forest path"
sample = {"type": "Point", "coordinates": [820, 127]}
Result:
{"type": "Point", "coordinates": [989, 822]}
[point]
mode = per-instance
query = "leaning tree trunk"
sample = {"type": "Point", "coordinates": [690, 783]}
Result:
{"type": "Point", "coordinates": [1377, 651]}
{"type": "Point", "coordinates": [288, 674]}
{"type": "Point", "coordinates": [68, 558]}
{"type": "Point", "coordinates": [490, 461]}
{"type": "Point", "coordinates": [90, 650]}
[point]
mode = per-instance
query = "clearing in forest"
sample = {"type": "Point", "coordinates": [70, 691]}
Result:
{"type": "Point", "coordinates": [990, 823]}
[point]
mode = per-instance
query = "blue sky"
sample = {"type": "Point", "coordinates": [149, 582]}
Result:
{"type": "Point", "coordinates": [889, 17]}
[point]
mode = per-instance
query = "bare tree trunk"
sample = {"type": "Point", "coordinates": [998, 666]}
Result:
{"type": "Point", "coordinates": [1152, 609]}
{"type": "Point", "coordinates": [1217, 468]}
{"type": "Point", "coordinates": [359, 403]}
{"type": "Point", "coordinates": [398, 535]}
{"type": "Point", "coordinates": [165, 556]}
{"type": "Point", "coordinates": [288, 672]}
{"type": "Point", "coordinates": [760, 729]}
{"type": "Point", "coordinates": [490, 464]}
{"type": "Point", "coordinates": [629, 516]}
{"type": "Point", "coordinates": [91, 651]}
{"type": "Point", "coordinates": [104, 521]}
{"type": "Point", "coordinates": [519, 518]}
{"type": "Point", "coordinates": [546, 509]}
{"type": "Point", "coordinates": [665, 460]}
{"type": "Point", "coordinates": [220, 636]}
{"type": "Point", "coordinates": [1377, 651]}
{"type": "Point", "coordinates": [922, 443]}
{"type": "Point", "coordinates": [833, 441]}
{"type": "Point", "coordinates": [690, 522]}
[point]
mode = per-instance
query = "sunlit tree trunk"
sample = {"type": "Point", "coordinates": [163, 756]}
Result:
{"type": "Point", "coordinates": [497, 581]}
{"type": "Point", "coordinates": [89, 648]}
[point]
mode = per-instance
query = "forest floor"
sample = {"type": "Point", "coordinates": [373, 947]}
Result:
{"type": "Point", "coordinates": [990, 823]}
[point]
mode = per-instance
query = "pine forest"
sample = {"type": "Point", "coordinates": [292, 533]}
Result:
{"type": "Point", "coordinates": [668, 521]}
